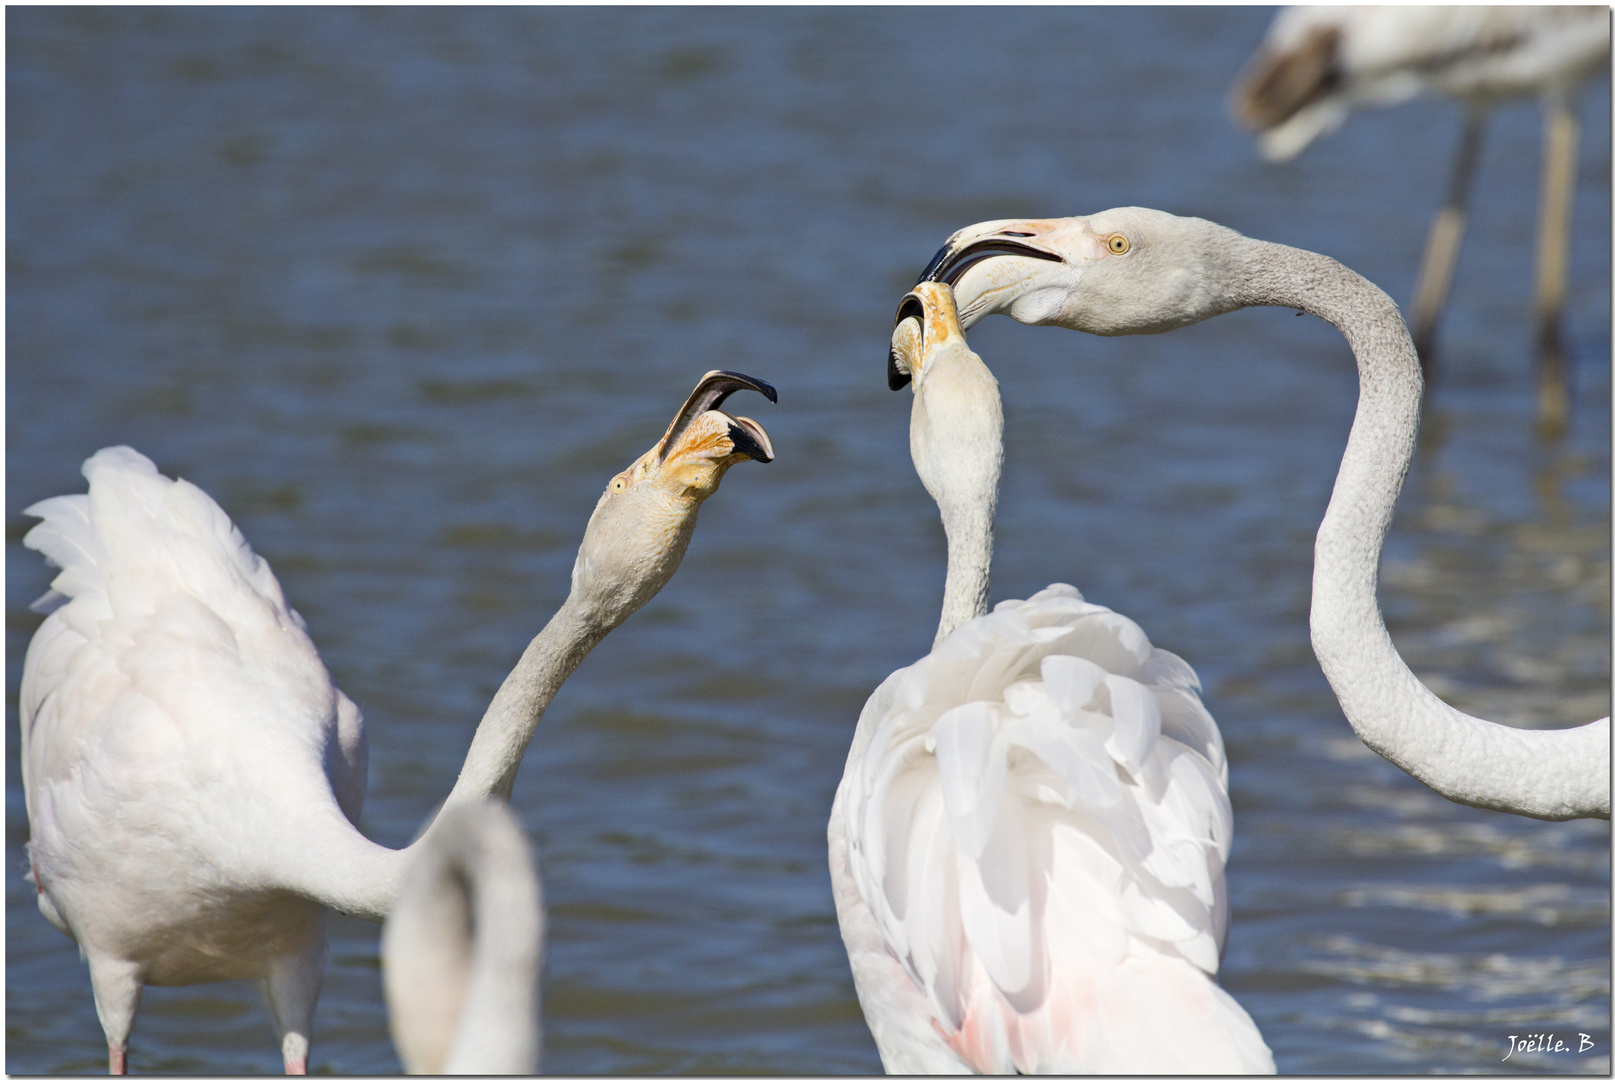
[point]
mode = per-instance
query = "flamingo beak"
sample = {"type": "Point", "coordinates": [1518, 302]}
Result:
{"type": "Point", "coordinates": [750, 439]}
{"type": "Point", "coordinates": [747, 435]}
{"type": "Point", "coordinates": [898, 371]}
{"type": "Point", "coordinates": [935, 322]}
{"type": "Point", "coordinates": [968, 248]}
{"type": "Point", "coordinates": [971, 245]}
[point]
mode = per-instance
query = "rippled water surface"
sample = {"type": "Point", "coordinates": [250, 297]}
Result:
{"type": "Point", "coordinates": [403, 288]}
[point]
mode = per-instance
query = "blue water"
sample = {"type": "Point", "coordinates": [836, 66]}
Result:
{"type": "Point", "coordinates": [402, 289]}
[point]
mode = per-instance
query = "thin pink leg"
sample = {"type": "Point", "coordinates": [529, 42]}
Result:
{"type": "Point", "coordinates": [117, 1060]}
{"type": "Point", "coordinates": [290, 989]}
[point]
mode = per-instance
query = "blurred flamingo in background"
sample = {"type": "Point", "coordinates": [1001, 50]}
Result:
{"type": "Point", "coordinates": [1317, 63]}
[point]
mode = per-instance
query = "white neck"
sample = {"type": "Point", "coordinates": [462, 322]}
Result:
{"type": "Point", "coordinates": [970, 555]}
{"type": "Point", "coordinates": [1545, 774]}
{"type": "Point", "coordinates": [335, 865]}
{"type": "Point", "coordinates": [513, 715]}
{"type": "Point", "coordinates": [956, 437]}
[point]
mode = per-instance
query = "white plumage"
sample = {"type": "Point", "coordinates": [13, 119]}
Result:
{"type": "Point", "coordinates": [462, 949]}
{"type": "Point", "coordinates": [1028, 844]}
{"type": "Point", "coordinates": [1037, 816]}
{"type": "Point", "coordinates": [1137, 271]}
{"type": "Point", "coordinates": [159, 691]}
{"type": "Point", "coordinates": [193, 776]}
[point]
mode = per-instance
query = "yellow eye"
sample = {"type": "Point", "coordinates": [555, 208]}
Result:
{"type": "Point", "coordinates": [619, 484]}
{"type": "Point", "coordinates": [1118, 244]}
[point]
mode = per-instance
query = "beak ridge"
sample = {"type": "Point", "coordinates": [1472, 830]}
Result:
{"type": "Point", "coordinates": [949, 264]}
{"type": "Point", "coordinates": [711, 392]}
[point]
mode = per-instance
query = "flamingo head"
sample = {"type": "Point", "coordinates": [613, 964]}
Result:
{"type": "Point", "coordinates": [645, 517]}
{"type": "Point", "coordinates": [1125, 271]}
{"type": "Point", "coordinates": [927, 322]}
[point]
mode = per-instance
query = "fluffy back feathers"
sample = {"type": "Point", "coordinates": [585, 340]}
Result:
{"type": "Point", "coordinates": [1044, 758]}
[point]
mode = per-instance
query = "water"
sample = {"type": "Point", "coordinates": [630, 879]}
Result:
{"type": "Point", "coordinates": [403, 288]}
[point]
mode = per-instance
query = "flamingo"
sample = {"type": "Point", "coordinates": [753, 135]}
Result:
{"type": "Point", "coordinates": [461, 951]}
{"type": "Point", "coordinates": [1317, 63]}
{"type": "Point", "coordinates": [193, 776]}
{"type": "Point", "coordinates": [1138, 271]}
{"type": "Point", "coordinates": [1027, 845]}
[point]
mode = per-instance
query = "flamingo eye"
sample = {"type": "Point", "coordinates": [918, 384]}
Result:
{"type": "Point", "coordinates": [620, 484]}
{"type": "Point", "coordinates": [1118, 244]}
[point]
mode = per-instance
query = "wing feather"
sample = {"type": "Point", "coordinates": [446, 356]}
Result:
{"type": "Point", "coordinates": [174, 644]}
{"type": "Point", "coordinates": [1037, 818]}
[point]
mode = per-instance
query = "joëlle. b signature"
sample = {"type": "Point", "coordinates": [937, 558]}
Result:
{"type": "Point", "coordinates": [1543, 1043]}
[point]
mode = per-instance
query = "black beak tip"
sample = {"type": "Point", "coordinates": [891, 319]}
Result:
{"type": "Point", "coordinates": [935, 266]}
{"type": "Point", "coordinates": [911, 307]}
{"type": "Point", "coordinates": [746, 443]}
{"type": "Point", "coordinates": [727, 382]}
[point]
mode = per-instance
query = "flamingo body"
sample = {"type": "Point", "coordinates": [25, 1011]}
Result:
{"type": "Point", "coordinates": [151, 700]}
{"type": "Point", "coordinates": [1028, 849]}
{"type": "Point", "coordinates": [1028, 843]}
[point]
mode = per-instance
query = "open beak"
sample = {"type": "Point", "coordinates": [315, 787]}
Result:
{"type": "Point", "coordinates": [747, 436]}
{"type": "Point", "coordinates": [965, 249]}
{"type": "Point", "coordinates": [972, 244]}
{"type": "Point", "coordinates": [935, 321]}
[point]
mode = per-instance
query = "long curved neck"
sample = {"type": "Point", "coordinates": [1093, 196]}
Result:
{"type": "Point", "coordinates": [342, 869]}
{"type": "Point", "coordinates": [970, 556]}
{"type": "Point", "coordinates": [513, 715]}
{"type": "Point", "coordinates": [1546, 774]}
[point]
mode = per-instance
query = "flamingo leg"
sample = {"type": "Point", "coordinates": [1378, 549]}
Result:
{"type": "Point", "coordinates": [1442, 243]}
{"type": "Point", "coordinates": [116, 985]}
{"type": "Point", "coordinates": [291, 990]}
{"type": "Point", "coordinates": [1560, 133]}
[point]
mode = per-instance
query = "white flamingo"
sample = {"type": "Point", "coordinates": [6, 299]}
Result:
{"type": "Point", "coordinates": [1027, 846]}
{"type": "Point", "coordinates": [193, 776]}
{"type": "Point", "coordinates": [461, 951]}
{"type": "Point", "coordinates": [1317, 63]}
{"type": "Point", "coordinates": [1137, 271]}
